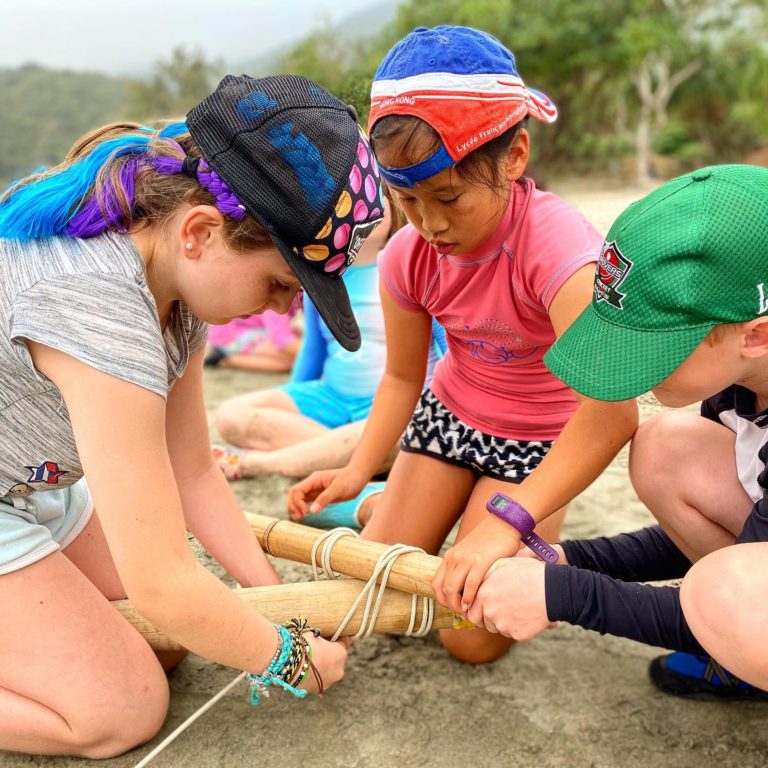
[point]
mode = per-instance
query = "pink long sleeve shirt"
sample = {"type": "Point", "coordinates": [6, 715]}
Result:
{"type": "Point", "coordinates": [494, 305]}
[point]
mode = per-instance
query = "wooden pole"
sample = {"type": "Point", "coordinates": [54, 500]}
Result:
{"type": "Point", "coordinates": [412, 573]}
{"type": "Point", "coordinates": [323, 603]}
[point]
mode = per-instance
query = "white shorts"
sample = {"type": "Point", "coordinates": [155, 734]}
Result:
{"type": "Point", "coordinates": [49, 521]}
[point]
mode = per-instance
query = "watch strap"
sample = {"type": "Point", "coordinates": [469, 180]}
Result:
{"type": "Point", "coordinates": [516, 515]}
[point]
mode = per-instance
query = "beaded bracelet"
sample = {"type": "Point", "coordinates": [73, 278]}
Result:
{"type": "Point", "coordinates": [292, 660]}
{"type": "Point", "coordinates": [276, 669]}
{"type": "Point", "coordinates": [302, 626]}
{"type": "Point", "coordinates": [282, 635]}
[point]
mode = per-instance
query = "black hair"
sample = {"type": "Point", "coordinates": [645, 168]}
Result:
{"type": "Point", "coordinates": [417, 140]}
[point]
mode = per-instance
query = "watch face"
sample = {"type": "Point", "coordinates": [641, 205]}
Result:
{"type": "Point", "coordinates": [499, 502]}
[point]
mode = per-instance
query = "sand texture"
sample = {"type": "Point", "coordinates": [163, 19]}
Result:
{"type": "Point", "coordinates": [569, 698]}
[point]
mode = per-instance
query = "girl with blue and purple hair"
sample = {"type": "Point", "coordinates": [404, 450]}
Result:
{"type": "Point", "coordinates": [111, 264]}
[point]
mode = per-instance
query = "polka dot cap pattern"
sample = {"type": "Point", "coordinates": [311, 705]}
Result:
{"type": "Point", "coordinates": [357, 211]}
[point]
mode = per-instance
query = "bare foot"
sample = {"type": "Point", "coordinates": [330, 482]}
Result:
{"type": "Point", "coordinates": [367, 508]}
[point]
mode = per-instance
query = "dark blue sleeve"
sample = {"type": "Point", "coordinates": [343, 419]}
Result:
{"type": "Point", "coordinates": [644, 555]}
{"type": "Point", "coordinates": [311, 358]}
{"type": "Point", "coordinates": [640, 612]}
{"type": "Point", "coordinates": [756, 525]}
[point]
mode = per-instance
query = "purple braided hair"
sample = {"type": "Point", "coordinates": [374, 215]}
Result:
{"type": "Point", "coordinates": [225, 200]}
{"type": "Point", "coordinates": [106, 210]}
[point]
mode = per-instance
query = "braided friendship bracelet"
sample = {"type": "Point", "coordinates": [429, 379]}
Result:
{"type": "Point", "coordinates": [290, 664]}
{"type": "Point", "coordinates": [321, 559]}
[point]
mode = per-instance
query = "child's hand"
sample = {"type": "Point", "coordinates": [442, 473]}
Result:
{"type": "Point", "coordinates": [324, 487]}
{"type": "Point", "coordinates": [464, 566]}
{"type": "Point", "coordinates": [511, 599]}
{"type": "Point", "coordinates": [329, 659]}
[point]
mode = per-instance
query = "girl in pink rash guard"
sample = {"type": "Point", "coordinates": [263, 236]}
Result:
{"type": "Point", "coordinates": [505, 268]}
{"type": "Point", "coordinates": [265, 342]}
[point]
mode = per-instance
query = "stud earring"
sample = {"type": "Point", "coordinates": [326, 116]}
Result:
{"type": "Point", "coordinates": [189, 246]}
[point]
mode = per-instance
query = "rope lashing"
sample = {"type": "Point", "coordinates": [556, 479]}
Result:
{"type": "Point", "coordinates": [372, 596]}
{"type": "Point", "coordinates": [321, 568]}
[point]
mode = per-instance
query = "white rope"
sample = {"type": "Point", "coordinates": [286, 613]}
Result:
{"type": "Point", "coordinates": [191, 719]}
{"type": "Point", "coordinates": [373, 599]}
{"type": "Point", "coordinates": [372, 596]}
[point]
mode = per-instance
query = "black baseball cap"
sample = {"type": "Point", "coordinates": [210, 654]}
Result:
{"type": "Point", "coordinates": [298, 162]}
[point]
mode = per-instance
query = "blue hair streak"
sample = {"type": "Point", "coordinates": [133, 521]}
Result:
{"type": "Point", "coordinates": [79, 198]}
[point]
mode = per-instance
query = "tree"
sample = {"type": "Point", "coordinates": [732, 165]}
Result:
{"type": "Point", "coordinates": [45, 111]}
{"type": "Point", "coordinates": [616, 67]}
{"type": "Point", "coordinates": [177, 84]}
{"type": "Point", "coordinates": [342, 65]}
{"type": "Point", "coordinates": [628, 76]}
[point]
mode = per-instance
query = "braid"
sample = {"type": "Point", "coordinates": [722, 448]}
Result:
{"type": "Point", "coordinates": [225, 200]}
{"type": "Point", "coordinates": [111, 207]}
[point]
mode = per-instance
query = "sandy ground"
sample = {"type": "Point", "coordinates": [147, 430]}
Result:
{"type": "Point", "coordinates": [570, 698]}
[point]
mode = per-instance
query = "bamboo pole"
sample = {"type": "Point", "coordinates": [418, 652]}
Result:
{"type": "Point", "coordinates": [323, 603]}
{"type": "Point", "coordinates": [412, 573]}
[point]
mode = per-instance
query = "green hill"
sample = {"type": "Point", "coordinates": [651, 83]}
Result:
{"type": "Point", "coordinates": [45, 110]}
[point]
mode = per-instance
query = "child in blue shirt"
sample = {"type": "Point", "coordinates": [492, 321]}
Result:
{"type": "Point", "coordinates": [315, 420]}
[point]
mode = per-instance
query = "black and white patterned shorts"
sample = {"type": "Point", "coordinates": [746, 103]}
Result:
{"type": "Point", "coordinates": [434, 431]}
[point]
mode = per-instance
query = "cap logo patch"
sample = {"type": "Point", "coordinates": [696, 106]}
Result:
{"type": "Point", "coordinates": [356, 240]}
{"type": "Point", "coordinates": [612, 269]}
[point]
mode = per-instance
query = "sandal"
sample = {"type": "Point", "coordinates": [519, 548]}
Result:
{"type": "Point", "coordinates": [228, 460]}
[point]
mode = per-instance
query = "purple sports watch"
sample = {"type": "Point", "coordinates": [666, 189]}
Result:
{"type": "Point", "coordinates": [520, 519]}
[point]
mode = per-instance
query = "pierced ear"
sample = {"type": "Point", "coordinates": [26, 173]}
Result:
{"type": "Point", "coordinates": [200, 226]}
{"type": "Point", "coordinates": [517, 155]}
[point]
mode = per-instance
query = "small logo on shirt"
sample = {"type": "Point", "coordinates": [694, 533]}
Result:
{"type": "Point", "coordinates": [491, 341]}
{"type": "Point", "coordinates": [48, 472]}
{"type": "Point", "coordinates": [612, 269]}
{"type": "Point", "coordinates": [490, 353]}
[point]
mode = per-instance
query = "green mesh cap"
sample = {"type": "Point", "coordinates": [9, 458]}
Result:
{"type": "Point", "coordinates": [691, 255]}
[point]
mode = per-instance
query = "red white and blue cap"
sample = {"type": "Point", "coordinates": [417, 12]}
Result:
{"type": "Point", "coordinates": [461, 81]}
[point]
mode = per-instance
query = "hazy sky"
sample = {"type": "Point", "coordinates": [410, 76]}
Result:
{"type": "Point", "coordinates": [118, 36]}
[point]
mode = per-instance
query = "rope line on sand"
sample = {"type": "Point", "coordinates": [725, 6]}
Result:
{"type": "Point", "coordinates": [321, 567]}
{"type": "Point", "coordinates": [191, 719]}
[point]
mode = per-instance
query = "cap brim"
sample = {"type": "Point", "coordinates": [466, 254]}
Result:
{"type": "Point", "coordinates": [329, 295]}
{"type": "Point", "coordinates": [605, 361]}
{"type": "Point", "coordinates": [540, 106]}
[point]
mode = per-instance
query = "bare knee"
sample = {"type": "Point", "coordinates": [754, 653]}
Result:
{"type": "Point", "coordinates": [476, 647]}
{"type": "Point", "coordinates": [230, 419]}
{"type": "Point", "coordinates": [659, 448]}
{"type": "Point", "coordinates": [125, 719]}
{"type": "Point", "coordinates": [716, 596]}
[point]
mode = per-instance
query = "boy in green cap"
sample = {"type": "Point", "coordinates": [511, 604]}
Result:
{"type": "Point", "coordinates": [680, 308]}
